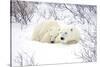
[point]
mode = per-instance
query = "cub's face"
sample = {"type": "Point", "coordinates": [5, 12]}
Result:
{"type": "Point", "coordinates": [54, 32]}
{"type": "Point", "coordinates": [67, 35]}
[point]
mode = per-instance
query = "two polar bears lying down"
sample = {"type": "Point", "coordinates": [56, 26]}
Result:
{"type": "Point", "coordinates": [50, 32]}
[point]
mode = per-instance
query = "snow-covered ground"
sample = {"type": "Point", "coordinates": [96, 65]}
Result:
{"type": "Point", "coordinates": [42, 53]}
{"type": "Point", "coordinates": [28, 52]}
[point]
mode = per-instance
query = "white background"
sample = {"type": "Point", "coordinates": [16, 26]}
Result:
{"type": "Point", "coordinates": [5, 32]}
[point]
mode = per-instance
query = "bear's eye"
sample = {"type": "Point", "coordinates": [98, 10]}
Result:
{"type": "Point", "coordinates": [62, 38]}
{"type": "Point", "coordinates": [71, 29]}
{"type": "Point", "coordinates": [65, 32]}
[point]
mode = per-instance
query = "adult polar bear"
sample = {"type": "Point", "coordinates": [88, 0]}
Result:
{"type": "Point", "coordinates": [46, 31]}
{"type": "Point", "coordinates": [49, 31]}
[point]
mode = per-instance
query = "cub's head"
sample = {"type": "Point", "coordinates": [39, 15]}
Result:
{"type": "Point", "coordinates": [54, 32]}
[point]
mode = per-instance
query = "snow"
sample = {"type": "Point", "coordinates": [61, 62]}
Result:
{"type": "Point", "coordinates": [43, 53]}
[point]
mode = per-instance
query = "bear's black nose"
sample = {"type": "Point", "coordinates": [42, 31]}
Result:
{"type": "Point", "coordinates": [62, 38]}
{"type": "Point", "coordinates": [52, 41]}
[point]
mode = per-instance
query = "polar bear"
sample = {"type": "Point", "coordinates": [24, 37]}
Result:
{"type": "Point", "coordinates": [46, 31]}
{"type": "Point", "coordinates": [68, 35]}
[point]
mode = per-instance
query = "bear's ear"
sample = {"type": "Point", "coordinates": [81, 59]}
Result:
{"type": "Point", "coordinates": [65, 33]}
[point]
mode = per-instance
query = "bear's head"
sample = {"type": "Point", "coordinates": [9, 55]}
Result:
{"type": "Point", "coordinates": [68, 35]}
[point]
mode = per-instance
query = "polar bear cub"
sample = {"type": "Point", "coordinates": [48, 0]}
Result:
{"type": "Point", "coordinates": [51, 35]}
